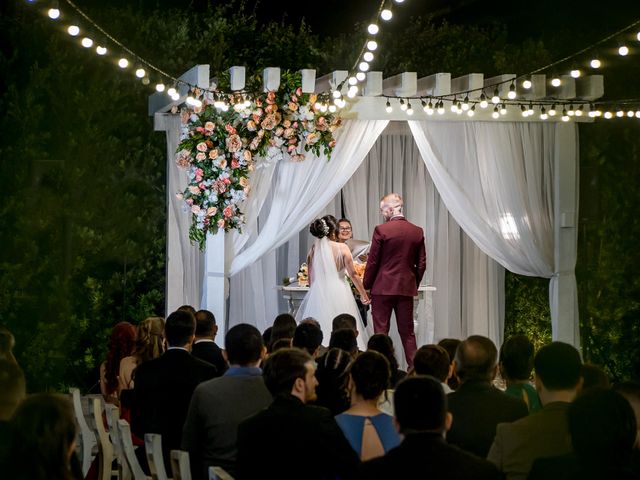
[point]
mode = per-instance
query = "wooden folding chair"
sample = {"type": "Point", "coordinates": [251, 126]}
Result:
{"type": "Point", "coordinates": [129, 454]}
{"type": "Point", "coordinates": [219, 473]}
{"type": "Point", "coordinates": [180, 465]}
{"type": "Point", "coordinates": [153, 447]}
{"type": "Point", "coordinates": [87, 438]}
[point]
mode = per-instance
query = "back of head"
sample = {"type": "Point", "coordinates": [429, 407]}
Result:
{"type": "Point", "coordinates": [370, 373]}
{"type": "Point", "coordinates": [383, 344]}
{"type": "Point", "coordinates": [450, 345]}
{"type": "Point", "coordinates": [631, 391]}
{"type": "Point", "coordinates": [393, 200]}
{"type": "Point", "coordinates": [308, 336]}
{"type": "Point", "coordinates": [266, 338]}
{"type": "Point", "coordinates": [205, 324]}
{"type": "Point", "coordinates": [602, 426]}
{"type": "Point", "coordinates": [332, 375]}
{"type": "Point", "coordinates": [179, 328]}
{"type": "Point", "coordinates": [558, 366]}
{"type": "Point", "coordinates": [43, 429]}
{"type": "Point", "coordinates": [122, 343]}
{"type": "Point", "coordinates": [593, 376]}
{"type": "Point", "coordinates": [344, 320]}
{"type": "Point", "coordinates": [516, 357]}
{"type": "Point", "coordinates": [344, 338]}
{"type": "Point", "coordinates": [476, 359]}
{"type": "Point", "coordinates": [284, 326]}
{"type": "Point", "coordinates": [420, 404]}
{"type": "Point", "coordinates": [244, 344]}
{"type": "Point", "coordinates": [282, 368]}
{"type": "Point", "coordinates": [324, 227]}
{"type": "Point", "coordinates": [7, 342]}
{"type": "Point", "coordinates": [187, 308]}
{"type": "Point", "coordinates": [432, 360]}
{"type": "Point", "coordinates": [149, 343]}
{"type": "Point", "coordinates": [12, 388]}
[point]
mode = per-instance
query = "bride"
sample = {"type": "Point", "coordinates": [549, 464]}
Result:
{"type": "Point", "coordinates": [329, 292]}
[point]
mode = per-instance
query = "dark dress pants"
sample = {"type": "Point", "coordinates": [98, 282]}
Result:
{"type": "Point", "coordinates": [382, 306]}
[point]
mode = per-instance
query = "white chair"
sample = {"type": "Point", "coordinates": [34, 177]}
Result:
{"type": "Point", "coordinates": [106, 449]}
{"type": "Point", "coordinates": [180, 465]}
{"type": "Point", "coordinates": [113, 415]}
{"type": "Point", "coordinates": [153, 447]}
{"type": "Point", "coordinates": [219, 473]}
{"type": "Point", "coordinates": [87, 438]}
{"type": "Point", "coordinates": [129, 453]}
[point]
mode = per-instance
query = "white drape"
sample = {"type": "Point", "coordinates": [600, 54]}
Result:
{"type": "Point", "coordinates": [301, 190]}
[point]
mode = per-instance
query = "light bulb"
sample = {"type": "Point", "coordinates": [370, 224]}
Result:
{"type": "Point", "coordinates": [100, 50]}
{"type": "Point", "coordinates": [172, 91]}
{"type": "Point", "coordinates": [623, 51]}
{"type": "Point", "coordinates": [53, 13]}
{"type": "Point", "coordinates": [580, 111]}
{"type": "Point", "coordinates": [386, 14]}
{"type": "Point", "coordinates": [368, 56]}
{"type": "Point", "coordinates": [608, 115]}
{"type": "Point", "coordinates": [638, 36]}
{"type": "Point", "coordinates": [140, 73]}
{"type": "Point", "coordinates": [526, 84]}
{"type": "Point", "coordinates": [353, 80]}
{"type": "Point", "coordinates": [402, 1]}
{"type": "Point", "coordinates": [565, 118]}
{"type": "Point", "coordinates": [73, 30]}
{"type": "Point", "coordinates": [364, 66]}
{"type": "Point", "coordinates": [630, 113]}
{"type": "Point", "coordinates": [87, 42]}
{"type": "Point", "coordinates": [471, 112]}
{"type": "Point", "coordinates": [333, 108]}
{"type": "Point", "coordinates": [555, 82]}
{"type": "Point", "coordinates": [336, 94]}
{"type": "Point", "coordinates": [552, 111]}
{"type": "Point", "coordinates": [496, 97]}
{"type": "Point", "coordinates": [512, 94]}
{"type": "Point", "coordinates": [638, 114]}
{"type": "Point", "coordinates": [495, 114]}
{"type": "Point", "coordinates": [389, 108]}
{"type": "Point", "coordinates": [483, 101]}
{"type": "Point", "coordinates": [576, 73]}
{"type": "Point", "coordinates": [373, 29]}
{"type": "Point", "coordinates": [409, 110]}
{"type": "Point", "coordinates": [360, 76]}
{"type": "Point", "coordinates": [595, 63]}
{"type": "Point", "coordinates": [403, 106]}
{"type": "Point", "coordinates": [372, 45]}
{"type": "Point", "coordinates": [440, 109]}
{"type": "Point", "coordinates": [503, 109]}
{"type": "Point", "coordinates": [123, 63]}
{"type": "Point", "coordinates": [160, 87]}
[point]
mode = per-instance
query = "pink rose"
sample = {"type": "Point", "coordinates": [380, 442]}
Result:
{"type": "Point", "coordinates": [293, 141]}
{"type": "Point", "coordinates": [194, 190]}
{"type": "Point", "coordinates": [199, 129]}
{"type": "Point", "coordinates": [293, 106]}
{"type": "Point", "coordinates": [289, 132]}
{"type": "Point", "coordinates": [294, 125]}
{"type": "Point", "coordinates": [220, 223]}
{"type": "Point", "coordinates": [182, 158]}
{"type": "Point", "coordinates": [312, 138]}
{"type": "Point", "coordinates": [189, 201]}
{"type": "Point", "coordinates": [271, 98]}
{"type": "Point", "coordinates": [223, 163]}
{"type": "Point", "coordinates": [197, 109]}
{"type": "Point", "coordinates": [279, 131]}
{"type": "Point", "coordinates": [244, 182]}
{"type": "Point", "coordinates": [299, 91]}
{"type": "Point", "coordinates": [269, 123]}
{"type": "Point", "coordinates": [291, 148]}
{"type": "Point", "coordinates": [201, 147]}
{"type": "Point", "coordinates": [234, 143]}
{"type": "Point", "coordinates": [294, 98]}
{"type": "Point", "coordinates": [226, 181]}
{"type": "Point", "coordinates": [229, 128]}
{"type": "Point", "coordinates": [332, 143]}
{"type": "Point", "coordinates": [235, 163]}
{"type": "Point", "coordinates": [251, 126]}
{"type": "Point", "coordinates": [247, 155]}
{"type": "Point", "coordinates": [209, 126]}
{"type": "Point", "coordinates": [195, 209]}
{"type": "Point", "coordinates": [286, 123]}
{"type": "Point", "coordinates": [201, 156]}
{"type": "Point", "coordinates": [213, 154]}
{"type": "Point", "coordinates": [211, 211]}
{"type": "Point", "coordinates": [228, 212]}
{"type": "Point", "coordinates": [179, 196]}
{"type": "Point", "coordinates": [202, 186]}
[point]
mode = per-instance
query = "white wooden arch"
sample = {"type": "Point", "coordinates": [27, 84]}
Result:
{"type": "Point", "coordinates": [370, 104]}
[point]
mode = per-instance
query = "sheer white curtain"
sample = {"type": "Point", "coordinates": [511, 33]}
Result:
{"type": "Point", "coordinates": [185, 262]}
{"type": "Point", "coordinates": [454, 264]}
{"type": "Point", "coordinates": [497, 181]}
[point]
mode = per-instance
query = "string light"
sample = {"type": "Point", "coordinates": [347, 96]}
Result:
{"type": "Point", "coordinates": [403, 106]}
{"type": "Point", "coordinates": [556, 82]}
{"type": "Point", "coordinates": [361, 76]}
{"type": "Point", "coordinates": [623, 51]}
{"type": "Point", "coordinates": [386, 14]}
{"type": "Point", "coordinates": [54, 13]}
{"type": "Point", "coordinates": [353, 80]}
{"type": "Point", "coordinates": [389, 108]}
{"type": "Point", "coordinates": [123, 63]}
{"type": "Point", "coordinates": [372, 45]}
{"type": "Point", "coordinates": [496, 113]}
{"type": "Point", "coordinates": [595, 63]}
{"type": "Point", "coordinates": [363, 66]}
{"type": "Point", "coordinates": [496, 96]}
{"type": "Point", "coordinates": [575, 73]}
{"type": "Point", "coordinates": [100, 50]}
{"type": "Point", "coordinates": [368, 57]}
{"type": "Point", "coordinates": [140, 73]}
{"type": "Point", "coordinates": [73, 30]}
{"type": "Point", "coordinates": [160, 87]}
{"type": "Point", "coordinates": [526, 84]}
{"type": "Point", "coordinates": [483, 101]}
{"type": "Point", "coordinates": [87, 42]}
{"type": "Point", "coordinates": [512, 91]}
{"type": "Point", "coordinates": [373, 29]}
{"type": "Point", "coordinates": [409, 109]}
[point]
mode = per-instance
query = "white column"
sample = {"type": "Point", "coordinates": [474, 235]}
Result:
{"type": "Point", "coordinates": [215, 285]}
{"type": "Point", "coordinates": [563, 294]}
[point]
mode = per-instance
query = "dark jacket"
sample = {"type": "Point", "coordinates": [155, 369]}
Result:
{"type": "Point", "coordinates": [210, 352]}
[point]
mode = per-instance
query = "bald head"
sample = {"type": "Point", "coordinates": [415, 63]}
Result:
{"type": "Point", "coordinates": [476, 359]}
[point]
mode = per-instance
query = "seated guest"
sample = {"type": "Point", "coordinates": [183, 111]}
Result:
{"type": "Point", "coordinates": [12, 392]}
{"type": "Point", "coordinates": [280, 344]}
{"type": "Point", "coordinates": [204, 346]}
{"type": "Point", "coordinates": [369, 430]}
{"type": "Point", "coordinates": [333, 377]}
{"type": "Point", "coordinates": [382, 343]}
{"type": "Point", "coordinates": [516, 363]}
{"type": "Point", "coordinates": [477, 406]}
{"type": "Point", "coordinates": [163, 386]}
{"type": "Point", "coordinates": [451, 345]}
{"type": "Point", "coordinates": [43, 446]}
{"type": "Point", "coordinates": [433, 360]}
{"type": "Point", "coordinates": [308, 336]}
{"type": "Point", "coordinates": [290, 439]}
{"type": "Point", "coordinates": [266, 338]}
{"type": "Point", "coordinates": [149, 345]}
{"type": "Point", "coordinates": [631, 391]}
{"type": "Point", "coordinates": [344, 320]}
{"type": "Point", "coordinates": [344, 338]}
{"type": "Point", "coordinates": [121, 344]}
{"type": "Point", "coordinates": [284, 326]}
{"type": "Point", "coordinates": [219, 405]}
{"type": "Point", "coordinates": [603, 431]}
{"type": "Point", "coordinates": [421, 417]}
{"type": "Point", "coordinates": [7, 343]}
{"type": "Point", "coordinates": [187, 308]}
{"type": "Point", "coordinates": [545, 433]}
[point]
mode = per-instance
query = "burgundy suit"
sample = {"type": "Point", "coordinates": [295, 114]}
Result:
{"type": "Point", "coordinates": [395, 266]}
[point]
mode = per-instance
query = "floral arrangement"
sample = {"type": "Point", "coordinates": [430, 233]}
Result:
{"type": "Point", "coordinates": [303, 275]}
{"type": "Point", "coordinates": [221, 146]}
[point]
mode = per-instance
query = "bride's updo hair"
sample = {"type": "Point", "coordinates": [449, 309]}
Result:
{"type": "Point", "coordinates": [324, 227]}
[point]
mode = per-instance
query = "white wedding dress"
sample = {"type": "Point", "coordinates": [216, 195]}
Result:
{"type": "Point", "coordinates": [329, 293]}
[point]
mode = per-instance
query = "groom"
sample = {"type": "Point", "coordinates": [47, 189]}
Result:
{"type": "Point", "coordinates": [397, 261]}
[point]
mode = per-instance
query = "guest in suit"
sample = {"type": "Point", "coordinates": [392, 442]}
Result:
{"type": "Point", "coordinates": [219, 405]}
{"type": "Point", "coordinates": [43, 445]}
{"type": "Point", "coordinates": [422, 418]}
{"type": "Point", "coordinates": [163, 386]}
{"type": "Point", "coordinates": [433, 360]}
{"type": "Point", "coordinates": [477, 406]}
{"type": "Point", "coordinates": [603, 430]}
{"type": "Point", "coordinates": [291, 439]}
{"type": "Point", "coordinates": [204, 346]}
{"type": "Point", "coordinates": [395, 266]}
{"type": "Point", "coordinates": [545, 433]}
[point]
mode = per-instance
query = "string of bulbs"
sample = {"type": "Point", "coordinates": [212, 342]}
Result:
{"type": "Point", "coordinates": [431, 103]}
